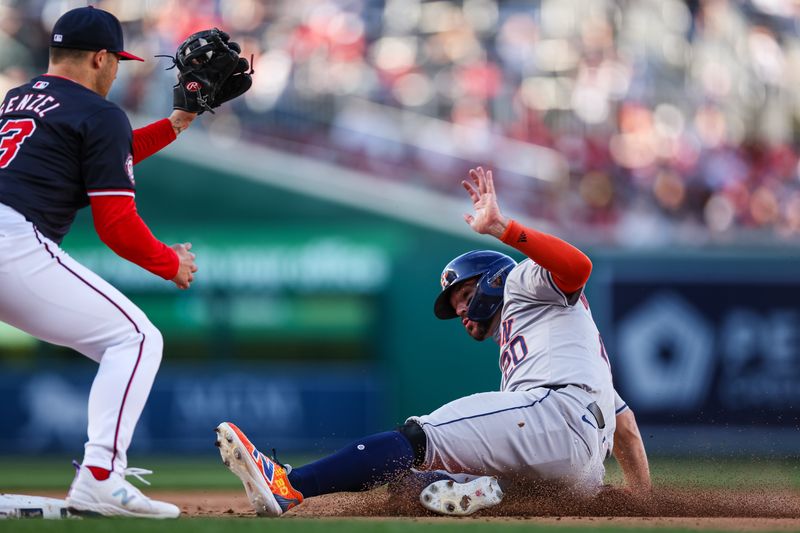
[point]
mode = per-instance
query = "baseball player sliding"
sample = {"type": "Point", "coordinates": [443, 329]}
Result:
{"type": "Point", "coordinates": [63, 146]}
{"type": "Point", "coordinates": [556, 416]}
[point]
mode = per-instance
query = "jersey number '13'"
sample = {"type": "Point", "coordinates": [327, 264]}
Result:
{"type": "Point", "coordinates": [13, 133]}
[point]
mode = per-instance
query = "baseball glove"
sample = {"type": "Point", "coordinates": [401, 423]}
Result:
{"type": "Point", "coordinates": [210, 72]}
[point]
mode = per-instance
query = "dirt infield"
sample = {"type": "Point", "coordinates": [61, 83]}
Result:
{"type": "Point", "coordinates": [698, 509]}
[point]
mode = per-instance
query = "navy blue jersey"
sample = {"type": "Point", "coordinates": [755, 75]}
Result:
{"type": "Point", "coordinates": [59, 144]}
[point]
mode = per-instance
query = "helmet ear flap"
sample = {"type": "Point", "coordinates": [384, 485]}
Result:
{"type": "Point", "coordinates": [488, 298]}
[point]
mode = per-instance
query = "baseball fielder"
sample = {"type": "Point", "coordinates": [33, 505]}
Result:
{"type": "Point", "coordinates": [554, 417]}
{"type": "Point", "coordinates": [63, 146]}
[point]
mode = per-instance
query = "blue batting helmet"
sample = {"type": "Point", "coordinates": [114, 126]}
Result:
{"type": "Point", "coordinates": [491, 268]}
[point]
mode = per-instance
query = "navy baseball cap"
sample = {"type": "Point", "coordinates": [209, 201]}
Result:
{"type": "Point", "coordinates": [89, 28]}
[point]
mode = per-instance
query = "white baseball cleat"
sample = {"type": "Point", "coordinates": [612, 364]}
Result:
{"type": "Point", "coordinates": [450, 498]}
{"type": "Point", "coordinates": [114, 497]}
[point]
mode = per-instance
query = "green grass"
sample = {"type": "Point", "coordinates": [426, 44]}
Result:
{"type": "Point", "coordinates": [196, 473]}
{"type": "Point", "coordinates": [724, 473]}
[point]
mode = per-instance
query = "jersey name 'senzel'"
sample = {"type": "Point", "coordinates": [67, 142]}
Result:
{"type": "Point", "coordinates": [60, 143]}
{"type": "Point", "coordinates": [37, 103]}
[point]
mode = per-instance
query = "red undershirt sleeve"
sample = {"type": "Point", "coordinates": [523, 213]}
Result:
{"type": "Point", "coordinates": [569, 266]}
{"type": "Point", "coordinates": [122, 229]}
{"type": "Point", "coordinates": [151, 138]}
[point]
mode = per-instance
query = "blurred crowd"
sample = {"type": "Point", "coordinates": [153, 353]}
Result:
{"type": "Point", "coordinates": [637, 122]}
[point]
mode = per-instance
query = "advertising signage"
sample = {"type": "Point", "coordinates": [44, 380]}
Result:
{"type": "Point", "coordinates": [708, 351]}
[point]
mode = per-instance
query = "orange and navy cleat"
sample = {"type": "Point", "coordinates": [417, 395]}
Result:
{"type": "Point", "coordinates": [265, 480]}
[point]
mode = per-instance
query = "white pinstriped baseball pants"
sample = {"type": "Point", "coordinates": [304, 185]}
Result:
{"type": "Point", "coordinates": [46, 293]}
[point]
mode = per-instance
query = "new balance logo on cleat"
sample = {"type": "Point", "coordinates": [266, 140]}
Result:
{"type": "Point", "coordinates": [114, 496]}
{"type": "Point", "coordinates": [122, 494]}
{"type": "Point", "coordinates": [266, 466]}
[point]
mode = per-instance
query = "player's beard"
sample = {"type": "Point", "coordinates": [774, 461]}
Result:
{"type": "Point", "coordinates": [480, 331]}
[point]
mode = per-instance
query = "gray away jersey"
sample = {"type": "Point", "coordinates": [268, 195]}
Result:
{"type": "Point", "coordinates": [526, 431]}
{"type": "Point", "coordinates": [547, 340]}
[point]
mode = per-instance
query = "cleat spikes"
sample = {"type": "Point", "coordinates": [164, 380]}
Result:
{"type": "Point", "coordinates": [464, 503]}
{"type": "Point", "coordinates": [450, 498]}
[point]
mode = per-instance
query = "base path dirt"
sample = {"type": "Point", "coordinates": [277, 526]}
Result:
{"type": "Point", "coordinates": [697, 509]}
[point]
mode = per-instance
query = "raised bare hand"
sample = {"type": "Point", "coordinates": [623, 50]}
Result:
{"type": "Point", "coordinates": [487, 218]}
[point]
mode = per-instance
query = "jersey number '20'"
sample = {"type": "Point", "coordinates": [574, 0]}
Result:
{"type": "Point", "coordinates": [12, 134]}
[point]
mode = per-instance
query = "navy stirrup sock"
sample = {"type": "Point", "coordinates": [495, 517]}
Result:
{"type": "Point", "coordinates": [361, 465]}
